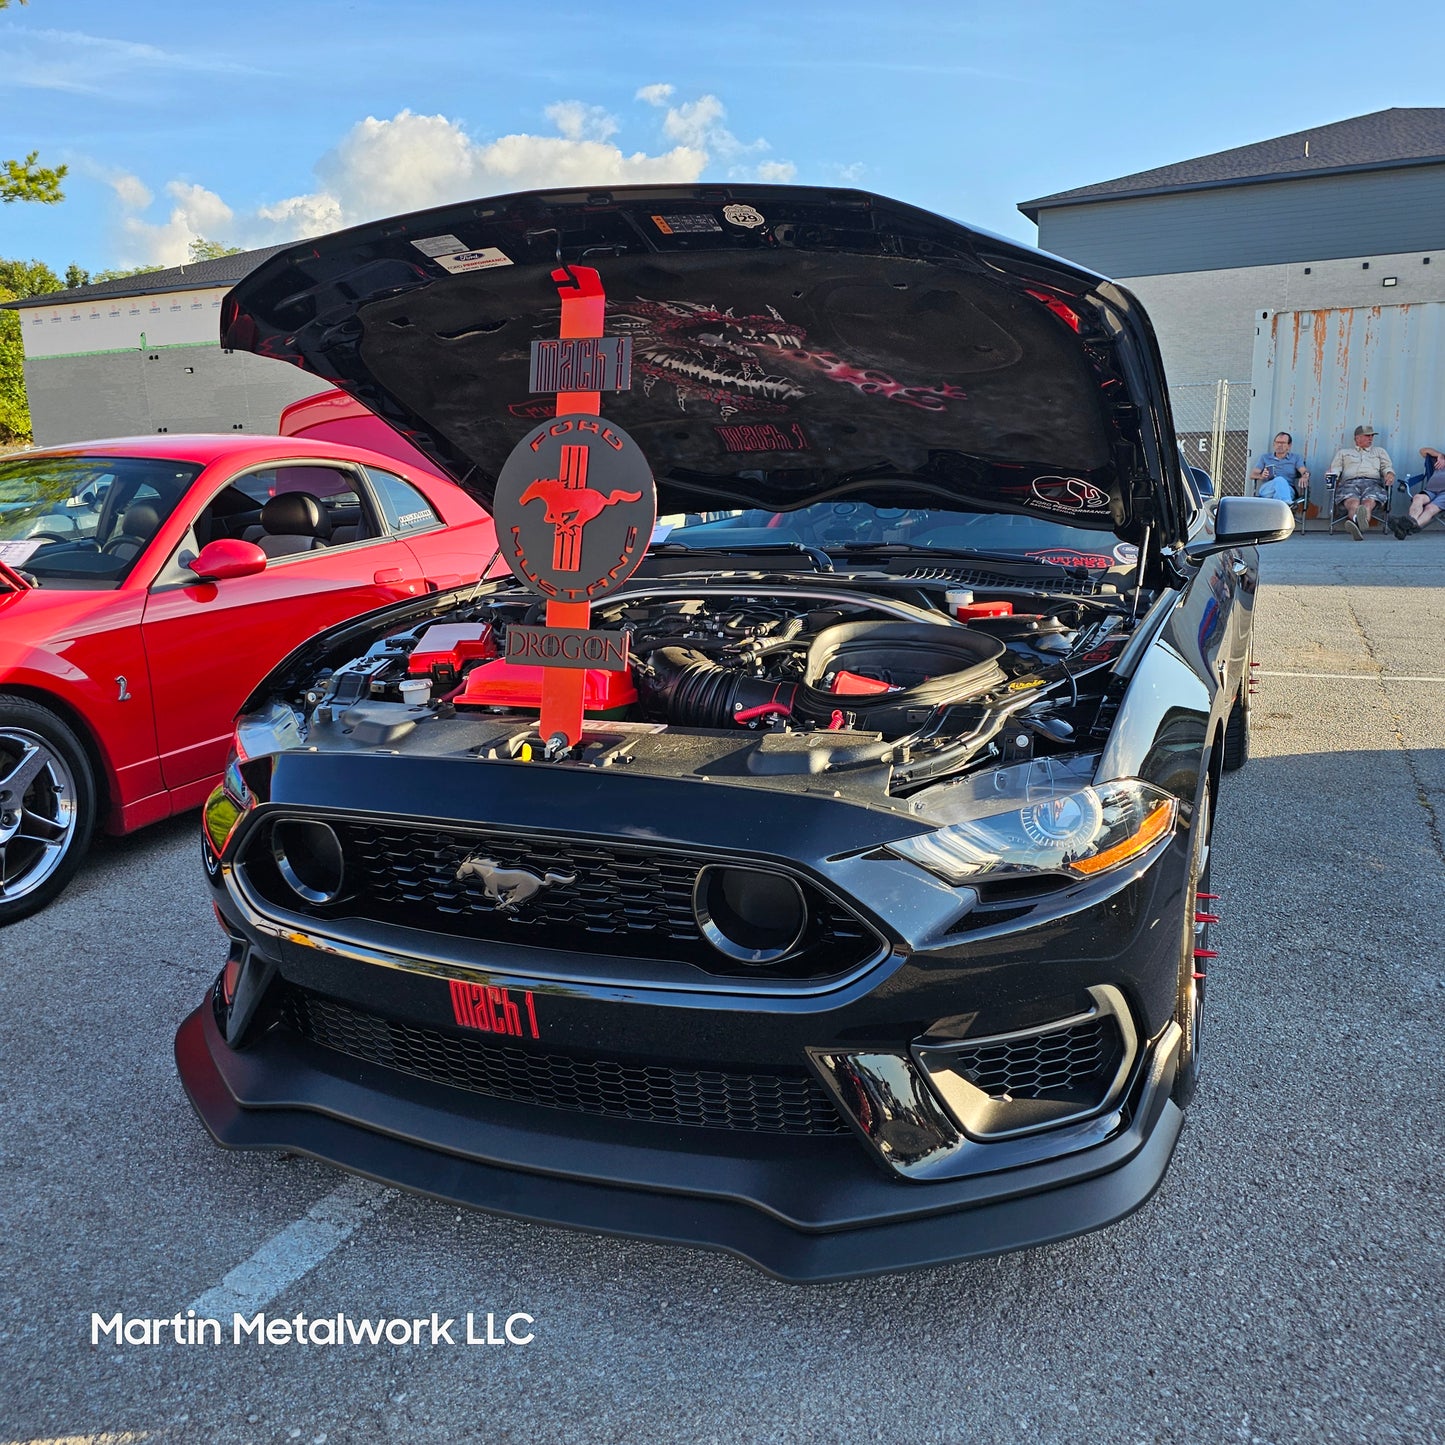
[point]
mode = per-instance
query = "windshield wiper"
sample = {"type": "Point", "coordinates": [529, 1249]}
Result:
{"type": "Point", "coordinates": [904, 549]}
{"type": "Point", "coordinates": [819, 558]}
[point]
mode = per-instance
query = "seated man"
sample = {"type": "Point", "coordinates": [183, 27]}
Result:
{"type": "Point", "coordinates": [1365, 474]}
{"type": "Point", "coordinates": [1425, 505]}
{"type": "Point", "coordinates": [1280, 473]}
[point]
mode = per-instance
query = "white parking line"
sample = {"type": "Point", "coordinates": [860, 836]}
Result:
{"type": "Point", "coordinates": [295, 1251]}
{"type": "Point", "coordinates": [1354, 676]}
{"type": "Point", "coordinates": [125, 1437]}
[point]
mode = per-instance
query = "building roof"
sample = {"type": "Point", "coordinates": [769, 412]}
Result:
{"type": "Point", "coordinates": [1403, 135]}
{"type": "Point", "coordinates": [194, 276]}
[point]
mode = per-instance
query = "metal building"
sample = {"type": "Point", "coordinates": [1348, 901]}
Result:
{"type": "Point", "coordinates": [141, 354]}
{"type": "Point", "coordinates": [1343, 217]}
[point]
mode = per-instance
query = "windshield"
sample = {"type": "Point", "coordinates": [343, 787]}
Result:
{"type": "Point", "coordinates": [841, 526]}
{"type": "Point", "coordinates": [84, 521]}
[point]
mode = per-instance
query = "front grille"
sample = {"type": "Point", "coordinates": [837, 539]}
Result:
{"type": "Point", "coordinates": [607, 897]}
{"type": "Point", "coordinates": [653, 1093]}
{"type": "Point", "coordinates": [1079, 1058]}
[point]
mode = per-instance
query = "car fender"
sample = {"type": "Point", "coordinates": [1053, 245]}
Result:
{"type": "Point", "coordinates": [113, 721]}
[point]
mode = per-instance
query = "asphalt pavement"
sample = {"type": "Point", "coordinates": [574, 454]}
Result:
{"type": "Point", "coordinates": [1284, 1284]}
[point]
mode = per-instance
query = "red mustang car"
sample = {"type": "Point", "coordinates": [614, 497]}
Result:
{"type": "Point", "coordinates": [148, 584]}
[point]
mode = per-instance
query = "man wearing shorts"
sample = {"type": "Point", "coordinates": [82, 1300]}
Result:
{"type": "Point", "coordinates": [1365, 474]}
{"type": "Point", "coordinates": [1425, 505]}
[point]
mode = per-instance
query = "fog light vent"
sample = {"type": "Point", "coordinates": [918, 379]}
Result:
{"type": "Point", "coordinates": [748, 914]}
{"type": "Point", "coordinates": [1059, 1073]}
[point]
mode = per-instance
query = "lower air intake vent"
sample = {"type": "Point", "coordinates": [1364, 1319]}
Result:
{"type": "Point", "coordinates": [653, 1093]}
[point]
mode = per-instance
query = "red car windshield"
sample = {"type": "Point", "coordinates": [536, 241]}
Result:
{"type": "Point", "coordinates": [84, 521]}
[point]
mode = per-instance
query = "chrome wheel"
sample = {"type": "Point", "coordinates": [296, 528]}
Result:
{"type": "Point", "coordinates": [47, 806]}
{"type": "Point", "coordinates": [37, 811]}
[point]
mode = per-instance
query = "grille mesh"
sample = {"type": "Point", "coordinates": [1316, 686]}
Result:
{"type": "Point", "coordinates": [607, 898]}
{"type": "Point", "coordinates": [1044, 1065]}
{"type": "Point", "coordinates": [659, 1094]}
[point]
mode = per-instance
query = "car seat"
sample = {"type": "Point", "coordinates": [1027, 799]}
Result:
{"type": "Point", "coordinates": [293, 522]}
{"type": "Point", "coordinates": [138, 524]}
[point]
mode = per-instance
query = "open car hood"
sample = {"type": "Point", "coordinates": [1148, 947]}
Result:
{"type": "Point", "coordinates": [790, 345]}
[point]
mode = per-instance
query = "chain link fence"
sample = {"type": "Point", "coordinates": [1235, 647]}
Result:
{"type": "Point", "coordinates": [1212, 421]}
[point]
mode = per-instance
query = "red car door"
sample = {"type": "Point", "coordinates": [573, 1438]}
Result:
{"type": "Point", "coordinates": [208, 644]}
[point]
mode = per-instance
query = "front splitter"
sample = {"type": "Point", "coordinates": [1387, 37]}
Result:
{"type": "Point", "coordinates": [897, 1227]}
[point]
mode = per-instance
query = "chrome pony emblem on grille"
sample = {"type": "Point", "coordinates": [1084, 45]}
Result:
{"type": "Point", "coordinates": [508, 888]}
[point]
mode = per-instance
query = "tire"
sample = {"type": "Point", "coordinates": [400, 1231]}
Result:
{"type": "Point", "coordinates": [1189, 1005]}
{"type": "Point", "coordinates": [45, 830]}
{"type": "Point", "coordinates": [1236, 729]}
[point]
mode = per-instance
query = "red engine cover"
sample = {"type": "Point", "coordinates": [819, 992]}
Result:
{"type": "Point", "coordinates": [515, 684]}
{"type": "Point", "coordinates": [450, 645]}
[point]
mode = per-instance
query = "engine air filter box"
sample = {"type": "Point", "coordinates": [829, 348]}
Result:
{"type": "Point", "coordinates": [519, 685]}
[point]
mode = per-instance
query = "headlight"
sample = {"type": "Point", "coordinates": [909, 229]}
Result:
{"type": "Point", "coordinates": [257, 736]}
{"type": "Point", "coordinates": [228, 804]}
{"type": "Point", "coordinates": [1038, 818]}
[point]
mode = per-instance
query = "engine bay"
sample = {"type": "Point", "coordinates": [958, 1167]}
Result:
{"type": "Point", "coordinates": [877, 683]}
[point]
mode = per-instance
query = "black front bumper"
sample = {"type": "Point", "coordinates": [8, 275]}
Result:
{"type": "Point", "coordinates": [802, 1209]}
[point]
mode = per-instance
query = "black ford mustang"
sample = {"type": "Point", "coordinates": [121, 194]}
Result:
{"type": "Point", "coordinates": [866, 925]}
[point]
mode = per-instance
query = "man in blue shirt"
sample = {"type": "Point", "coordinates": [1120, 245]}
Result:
{"type": "Point", "coordinates": [1277, 472]}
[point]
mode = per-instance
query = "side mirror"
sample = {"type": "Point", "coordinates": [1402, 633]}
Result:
{"type": "Point", "coordinates": [228, 557]}
{"type": "Point", "coordinates": [1244, 522]}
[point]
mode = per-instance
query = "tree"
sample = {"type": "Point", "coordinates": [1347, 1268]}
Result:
{"type": "Point", "coordinates": [28, 180]}
{"type": "Point", "coordinates": [122, 272]}
{"type": "Point", "coordinates": [204, 250]}
{"type": "Point", "coordinates": [76, 276]}
{"type": "Point", "coordinates": [18, 280]}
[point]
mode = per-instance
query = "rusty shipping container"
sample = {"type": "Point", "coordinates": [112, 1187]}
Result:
{"type": "Point", "coordinates": [1319, 374]}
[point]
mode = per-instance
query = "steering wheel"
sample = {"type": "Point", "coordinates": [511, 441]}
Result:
{"type": "Point", "coordinates": [112, 548]}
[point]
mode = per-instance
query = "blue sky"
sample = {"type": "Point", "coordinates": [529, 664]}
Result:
{"type": "Point", "coordinates": [260, 122]}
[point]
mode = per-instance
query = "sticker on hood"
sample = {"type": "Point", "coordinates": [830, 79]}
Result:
{"type": "Point", "coordinates": [1067, 557]}
{"type": "Point", "coordinates": [695, 224]}
{"type": "Point", "coordinates": [483, 260]}
{"type": "Point", "coordinates": [440, 245]}
{"type": "Point", "coordinates": [1068, 494]}
{"type": "Point", "coordinates": [739, 215]}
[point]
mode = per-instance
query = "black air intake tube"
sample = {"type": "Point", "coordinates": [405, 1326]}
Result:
{"type": "Point", "coordinates": [687, 689]}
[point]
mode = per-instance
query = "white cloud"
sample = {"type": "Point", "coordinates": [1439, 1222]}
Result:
{"type": "Point", "coordinates": [133, 192]}
{"type": "Point", "coordinates": [197, 212]}
{"type": "Point", "coordinates": [695, 122]}
{"type": "Point", "coordinates": [72, 61]}
{"type": "Point", "coordinates": [410, 162]}
{"type": "Point", "coordinates": [577, 121]}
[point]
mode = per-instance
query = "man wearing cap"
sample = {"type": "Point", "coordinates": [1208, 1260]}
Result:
{"type": "Point", "coordinates": [1365, 474]}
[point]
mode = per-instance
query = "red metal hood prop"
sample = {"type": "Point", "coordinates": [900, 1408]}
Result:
{"type": "Point", "coordinates": [575, 506]}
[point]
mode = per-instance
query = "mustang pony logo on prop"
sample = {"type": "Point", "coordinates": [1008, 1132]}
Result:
{"type": "Point", "coordinates": [570, 506]}
{"type": "Point", "coordinates": [599, 504]}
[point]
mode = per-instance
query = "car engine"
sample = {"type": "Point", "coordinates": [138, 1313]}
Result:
{"type": "Point", "coordinates": [816, 678]}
